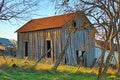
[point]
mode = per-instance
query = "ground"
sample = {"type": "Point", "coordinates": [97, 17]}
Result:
{"type": "Point", "coordinates": [24, 70]}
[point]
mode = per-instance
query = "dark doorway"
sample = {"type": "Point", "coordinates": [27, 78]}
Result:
{"type": "Point", "coordinates": [77, 55]}
{"type": "Point", "coordinates": [65, 61]}
{"type": "Point", "coordinates": [74, 24]}
{"type": "Point", "coordinates": [26, 49]}
{"type": "Point", "coordinates": [48, 47]}
{"type": "Point", "coordinates": [83, 58]}
{"type": "Point", "coordinates": [80, 57]}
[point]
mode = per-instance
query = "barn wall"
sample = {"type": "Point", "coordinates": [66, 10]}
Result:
{"type": "Point", "coordinates": [87, 41]}
{"type": "Point", "coordinates": [98, 52]}
{"type": "Point", "coordinates": [79, 41]}
{"type": "Point", "coordinates": [20, 45]}
{"type": "Point", "coordinates": [37, 45]}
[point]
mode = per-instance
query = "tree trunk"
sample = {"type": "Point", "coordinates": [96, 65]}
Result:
{"type": "Point", "coordinates": [42, 57]}
{"type": "Point", "coordinates": [60, 57]}
{"type": "Point", "coordinates": [118, 72]}
{"type": "Point", "coordinates": [118, 50]}
{"type": "Point", "coordinates": [108, 60]}
{"type": "Point", "coordinates": [101, 65]}
{"type": "Point", "coordinates": [103, 71]}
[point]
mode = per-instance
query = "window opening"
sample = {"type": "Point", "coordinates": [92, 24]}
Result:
{"type": "Point", "coordinates": [74, 24]}
{"type": "Point", "coordinates": [48, 47]}
{"type": "Point", "coordinates": [26, 49]}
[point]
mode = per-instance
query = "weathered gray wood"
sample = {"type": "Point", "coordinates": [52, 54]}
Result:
{"type": "Point", "coordinates": [60, 57]}
{"type": "Point", "coordinates": [42, 57]}
{"type": "Point", "coordinates": [37, 42]}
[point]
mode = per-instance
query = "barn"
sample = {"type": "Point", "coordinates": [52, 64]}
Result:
{"type": "Point", "coordinates": [6, 46]}
{"type": "Point", "coordinates": [37, 36]}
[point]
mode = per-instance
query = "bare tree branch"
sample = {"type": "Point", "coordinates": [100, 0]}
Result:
{"type": "Point", "coordinates": [105, 15]}
{"type": "Point", "coordinates": [19, 9]}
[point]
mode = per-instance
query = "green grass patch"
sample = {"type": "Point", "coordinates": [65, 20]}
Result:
{"type": "Point", "coordinates": [43, 71]}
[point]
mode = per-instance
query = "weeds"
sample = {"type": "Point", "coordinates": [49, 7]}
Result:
{"type": "Point", "coordinates": [24, 70]}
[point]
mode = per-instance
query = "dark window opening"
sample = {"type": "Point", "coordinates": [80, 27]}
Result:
{"type": "Point", "coordinates": [48, 47]}
{"type": "Point", "coordinates": [83, 53]}
{"type": "Point", "coordinates": [74, 24]}
{"type": "Point", "coordinates": [65, 61]}
{"type": "Point", "coordinates": [77, 54]}
{"type": "Point", "coordinates": [26, 49]}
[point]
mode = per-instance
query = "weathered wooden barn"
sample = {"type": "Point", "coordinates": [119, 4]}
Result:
{"type": "Point", "coordinates": [37, 36]}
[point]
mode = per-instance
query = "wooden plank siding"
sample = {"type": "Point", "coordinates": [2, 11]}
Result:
{"type": "Point", "coordinates": [37, 45]}
{"type": "Point", "coordinates": [79, 41]}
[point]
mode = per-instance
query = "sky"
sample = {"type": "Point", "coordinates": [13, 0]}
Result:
{"type": "Point", "coordinates": [7, 29]}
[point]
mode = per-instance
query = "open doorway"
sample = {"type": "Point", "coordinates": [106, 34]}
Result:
{"type": "Point", "coordinates": [80, 57]}
{"type": "Point", "coordinates": [48, 42]}
{"type": "Point", "coordinates": [26, 49]}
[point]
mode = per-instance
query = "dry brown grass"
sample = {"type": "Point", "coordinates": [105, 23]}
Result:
{"type": "Point", "coordinates": [48, 66]}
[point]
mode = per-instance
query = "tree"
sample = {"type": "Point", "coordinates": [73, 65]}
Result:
{"type": "Point", "coordinates": [61, 55]}
{"type": "Point", "coordinates": [14, 48]}
{"type": "Point", "coordinates": [105, 16]}
{"type": "Point", "coordinates": [18, 9]}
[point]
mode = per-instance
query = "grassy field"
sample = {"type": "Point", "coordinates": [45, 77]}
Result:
{"type": "Point", "coordinates": [25, 71]}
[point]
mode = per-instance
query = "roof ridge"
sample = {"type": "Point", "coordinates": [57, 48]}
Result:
{"type": "Point", "coordinates": [52, 16]}
{"type": "Point", "coordinates": [50, 22]}
{"type": "Point", "coordinates": [63, 14]}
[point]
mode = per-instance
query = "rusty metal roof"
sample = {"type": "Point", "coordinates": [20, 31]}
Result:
{"type": "Point", "coordinates": [46, 23]}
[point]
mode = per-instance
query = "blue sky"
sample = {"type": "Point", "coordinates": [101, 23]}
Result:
{"type": "Point", "coordinates": [7, 29]}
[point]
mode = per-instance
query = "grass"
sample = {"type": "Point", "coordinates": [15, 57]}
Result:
{"type": "Point", "coordinates": [25, 71]}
